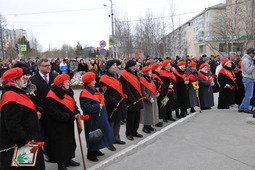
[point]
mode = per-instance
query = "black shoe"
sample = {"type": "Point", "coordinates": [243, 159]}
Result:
{"type": "Point", "coordinates": [62, 166]}
{"type": "Point", "coordinates": [130, 138]}
{"type": "Point", "coordinates": [172, 119]}
{"type": "Point", "coordinates": [138, 135]}
{"type": "Point", "coordinates": [72, 163]}
{"type": "Point", "coordinates": [165, 120]}
{"type": "Point", "coordinates": [151, 128]}
{"type": "Point", "coordinates": [159, 124]}
{"type": "Point", "coordinates": [240, 110]}
{"type": "Point", "coordinates": [120, 142]}
{"type": "Point", "coordinates": [146, 130]}
{"type": "Point", "coordinates": [192, 110]}
{"type": "Point", "coordinates": [92, 158]}
{"type": "Point", "coordinates": [111, 148]}
{"type": "Point", "coordinates": [99, 153]}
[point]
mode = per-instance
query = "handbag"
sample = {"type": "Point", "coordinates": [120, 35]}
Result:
{"type": "Point", "coordinates": [95, 136]}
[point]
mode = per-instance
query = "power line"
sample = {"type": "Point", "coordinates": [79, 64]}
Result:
{"type": "Point", "coordinates": [51, 12]}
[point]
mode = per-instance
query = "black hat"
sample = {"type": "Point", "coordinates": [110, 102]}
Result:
{"type": "Point", "coordinates": [250, 50]}
{"type": "Point", "coordinates": [118, 62]}
{"type": "Point", "coordinates": [130, 63]}
{"type": "Point", "coordinates": [109, 63]}
{"type": "Point", "coordinates": [23, 66]}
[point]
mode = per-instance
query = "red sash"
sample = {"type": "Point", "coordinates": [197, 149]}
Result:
{"type": "Point", "coordinates": [155, 76]}
{"type": "Point", "coordinates": [148, 85]}
{"type": "Point", "coordinates": [228, 74]}
{"type": "Point", "coordinates": [192, 78]}
{"type": "Point", "coordinates": [165, 73]}
{"type": "Point", "coordinates": [22, 99]}
{"type": "Point", "coordinates": [133, 80]}
{"type": "Point", "coordinates": [183, 76]}
{"type": "Point", "coordinates": [204, 77]}
{"type": "Point", "coordinates": [112, 82]}
{"type": "Point", "coordinates": [96, 97]}
{"type": "Point", "coordinates": [68, 101]}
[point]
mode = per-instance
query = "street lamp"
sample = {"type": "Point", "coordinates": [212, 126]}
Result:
{"type": "Point", "coordinates": [113, 36]}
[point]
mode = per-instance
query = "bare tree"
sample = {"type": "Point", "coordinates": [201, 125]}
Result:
{"type": "Point", "coordinates": [3, 24]}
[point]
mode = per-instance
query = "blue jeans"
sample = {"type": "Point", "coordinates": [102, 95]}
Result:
{"type": "Point", "coordinates": [248, 87]}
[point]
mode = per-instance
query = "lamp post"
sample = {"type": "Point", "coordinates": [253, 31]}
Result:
{"type": "Point", "coordinates": [112, 24]}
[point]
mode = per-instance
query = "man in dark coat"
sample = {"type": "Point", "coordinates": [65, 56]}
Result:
{"type": "Point", "coordinates": [114, 97]}
{"type": "Point", "coordinates": [132, 88]}
{"type": "Point", "coordinates": [182, 87]}
{"type": "Point", "coordinates": [43, 79]}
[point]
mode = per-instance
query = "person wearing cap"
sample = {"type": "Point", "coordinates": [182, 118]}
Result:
{"type": "Point", "coordinates": [182, 87]}
{"type": "Point", "coordinates": [91, 103]}
{"type": "Point", "coordinates": [19, 122]}
{"type": "Point", "coordinates": [240, 90]}
{"type": "Point", "coordinates": [227, 84]}
{"type": "Point", "coordinates": [156, 67]}
{"type": "Point", "coordinates": [62, 112]}
{"type": "Point", "coordinates": [206, 84]}
{"type": "Point", "coordinates": [170, 92]}
{"type": "Point", "coordinates": [193, 85]}
{"type": "Point", "coordinates": [114, 96]}
{"type": "Point", "coordinates": [248, 73]}
{"type": "Point", "coordinates": [43, 79]}
{"type": "Point", "coordinates": [149, 113]}
{"type": "Point", "coordinates": [132, 88]}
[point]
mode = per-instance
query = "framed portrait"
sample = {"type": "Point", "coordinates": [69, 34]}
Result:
{"type": "Point", "coordinates": [25, 156]}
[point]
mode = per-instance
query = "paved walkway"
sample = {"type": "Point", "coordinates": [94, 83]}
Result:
{"type": "Point", "coordinates": [211, 140]}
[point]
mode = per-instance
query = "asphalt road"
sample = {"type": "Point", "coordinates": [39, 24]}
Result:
{"type": "Point", "coordinates": [211, 140]}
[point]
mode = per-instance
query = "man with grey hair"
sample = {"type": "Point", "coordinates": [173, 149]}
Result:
{"type": "Point", "coordinates": [248, 73]}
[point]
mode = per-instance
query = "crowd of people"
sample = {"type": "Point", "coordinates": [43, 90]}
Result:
{"type": "Point", "coordinates": [37, 102]}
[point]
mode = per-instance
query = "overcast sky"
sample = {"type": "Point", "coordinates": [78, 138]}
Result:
{"type": "Point", "coordinates": [54, 22]}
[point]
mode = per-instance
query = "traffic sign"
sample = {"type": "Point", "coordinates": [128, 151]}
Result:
{"type": "Point", "coordinates": [103, 51]}
{"type": "Point", "coordinates": [23, 47]}
{"type": "Point", "coordinates": [102, 43]}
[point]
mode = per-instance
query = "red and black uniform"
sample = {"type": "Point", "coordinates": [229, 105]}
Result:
{"type": "Point", "coordinates": [61, 108]}
{"type": "Point", "coordinates": [19, 125]}
{"type": "Point", "coordinates": [182, 91]}
{"type": "Point", "coordinates": [172, 104]}
{"type": "Point", "coordinates": [132, 88]}
{"type": "Point", "coordinates": [226, 79]}
{"type": "Point", "coordinates": [240, 90]}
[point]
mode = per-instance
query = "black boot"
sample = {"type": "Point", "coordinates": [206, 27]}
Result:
{"type": "Point", "coordinates": [177, 114]}
{"type": "Point", "coordinates": [192, 110]}
{"type": "Point", "coordinates": [92, 156]}
{"type": "Point", "coordinates": [183, 113]}
{"type": "Point", "coordinates": [62, 166]}
{"type": "Point", "coordinates": [72, 163]}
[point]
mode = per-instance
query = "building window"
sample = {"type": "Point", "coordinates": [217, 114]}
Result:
{"type": "Point", "coordinates": [222, 47]}
{"type": "Point", "coordinates": [202, 49]}
{"type": "Point", "coordinates": [236, 47]}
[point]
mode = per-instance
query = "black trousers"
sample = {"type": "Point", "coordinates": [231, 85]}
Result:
{"type": "Point", "coordinates": [132, 123]}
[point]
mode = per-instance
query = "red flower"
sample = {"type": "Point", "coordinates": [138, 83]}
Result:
{"type": "Point", "coordinates": [170, 90]}
{"type": "Point", "coordinates": [125, 96]}
{"type": "Point", "coordinates": [84, 117]}
{"type": "Point", "coordinates": [104, 88]}
{"type": "Point", "coordinates": [146, 97]}
{"type": "Point", "coordinates": [41, 144]}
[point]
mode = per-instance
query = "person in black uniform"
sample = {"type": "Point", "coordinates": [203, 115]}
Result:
{"type": "Point", "coordinates": [43, 79]}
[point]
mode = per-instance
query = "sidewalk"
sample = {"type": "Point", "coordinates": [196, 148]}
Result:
{"type": "Point", "coordinates": [215, 139]}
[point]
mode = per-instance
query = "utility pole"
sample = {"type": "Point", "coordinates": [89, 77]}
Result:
{"type": "Point", "coordinates": [2, 36]}
{"type": "Point", "coordinates": [113, 36]}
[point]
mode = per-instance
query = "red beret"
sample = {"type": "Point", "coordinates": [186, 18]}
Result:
{"type": "Point", "coordinates": [12, 73]}
{"type": "Point", "coordinates": [224, 62]}
{"type": "Point", "coordinates": [204, 65]}
{"type": "Point", "coordinates": [61, 78]}
{"type": "Point", "coordinates": [181, 63]}
{"type": "Point", "coordinates": [146, 69]}
{"type": "Point", "coordinates": [165, 63]}
{"type": "Point", "coordinates": [88, 77]}
{"type": "Point", "coordinates": [192, 64]}
{"type": "Point", "coordinates": [155, 66]}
